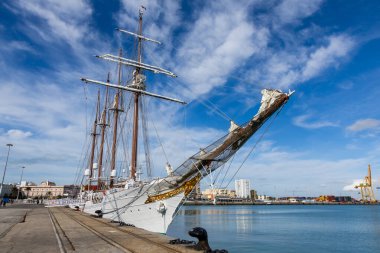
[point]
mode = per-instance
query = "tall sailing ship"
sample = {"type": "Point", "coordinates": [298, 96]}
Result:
{"type": "Point", "coordinates": [151, 204]}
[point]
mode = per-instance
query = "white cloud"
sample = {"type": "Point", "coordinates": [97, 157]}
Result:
{"type": "Point", "coordinates": [286, 67]}
{"type": "Point", "coordinates": [326, 56]}
{"type": "Point", "coordinates": [364, 124]}
{"type": "Point", "coordinates": [289, 11]}
{"type": "Point", "coordinates": [218, 42]}
{"type": "Point", "coordinates": [19, 45]}
{"type": "Point", "coordinates": [351, 187]}
{"type": "Point", "coordinates": [221, 41]}
{"type": "Point", "coordinates": [65, 20]}
{"type": "Point", "coordinates": [301, 121]}
{"type": "Point", "coordinates": [18, 134]}
{"type": "Point", "coordinates": [54, 119]}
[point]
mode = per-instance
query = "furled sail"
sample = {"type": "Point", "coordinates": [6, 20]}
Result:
{"type": "Point", "coordinates": [218, 153]}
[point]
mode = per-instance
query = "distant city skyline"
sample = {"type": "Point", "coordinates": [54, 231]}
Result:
{"type": "Point", "coordinates": [223, 53]}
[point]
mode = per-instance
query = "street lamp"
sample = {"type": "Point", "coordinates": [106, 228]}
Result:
{"type": "Point", "coordinates": [5, 168]}
{"type": "Point", "coordinates": [19, 187]}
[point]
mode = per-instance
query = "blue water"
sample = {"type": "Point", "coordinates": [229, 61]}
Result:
{"type": "Point", "coordinates": [272, 228]}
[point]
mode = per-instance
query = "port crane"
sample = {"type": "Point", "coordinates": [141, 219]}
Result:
{"type": "Point", "coordinates": [366, 189]}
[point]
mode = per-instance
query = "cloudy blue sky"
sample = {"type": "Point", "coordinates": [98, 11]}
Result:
{"type": "Point", "coordinates": [224, 53]}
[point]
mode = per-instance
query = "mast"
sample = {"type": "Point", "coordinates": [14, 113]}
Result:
{"type": "Point", "coordinates": [115, 120]}
{"type": "Point", "coordinates": [136, 103]}
{"type": "Point", "coordinates": [93, 133]}
{"type": "Point", "coordinates": [103, 125]}
{"type": "Point", "coordinates": [136, 86]}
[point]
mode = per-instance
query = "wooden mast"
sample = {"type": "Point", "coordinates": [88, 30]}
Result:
{"type": "Point", "coordinates": [103, 125]}
{"type": "Point", "coordinates": [136, 105]}
{"type": "Point", "coordinates": [137, 87]}
{"type": "Point", "coordinates": [93, 133]}
{"type": "Point", "coordinates": [115, 120]}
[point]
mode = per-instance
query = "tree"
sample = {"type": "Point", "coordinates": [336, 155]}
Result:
{"type": "Point", "coordinates": [14, 192]}
{"type": "Point", "coordinates": [48, 194]}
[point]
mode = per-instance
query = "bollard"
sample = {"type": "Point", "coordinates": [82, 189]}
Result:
{"type": "Point", "coordinates": [201, 235]}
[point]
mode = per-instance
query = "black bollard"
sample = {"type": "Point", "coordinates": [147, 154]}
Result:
{"type": "Point", "coordinates": [99, 213]}
{"type": "Point", "coordinates": [201, 235]}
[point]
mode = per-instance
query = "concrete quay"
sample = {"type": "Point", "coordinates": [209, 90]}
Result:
{"type": "Point", "coordinates": [35, 228]}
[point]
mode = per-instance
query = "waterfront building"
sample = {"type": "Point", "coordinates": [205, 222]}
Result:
{"type": "Point", "coordinates": [45, 189]}
{"type": "Point", "coordinates": [253, 194]}
{"type": "Point", "coordinates": [243, 188]}
{"type": "Point", "coordinates": [211, 194]}
{"type": "Point", "coordinates": [263, 197]}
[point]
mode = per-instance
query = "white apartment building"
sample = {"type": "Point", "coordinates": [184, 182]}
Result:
{"type": "Point", "coordinates": [243, 188]}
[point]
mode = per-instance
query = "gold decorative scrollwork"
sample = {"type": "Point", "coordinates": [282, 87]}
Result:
{"type": "Point", "coordinates": [187, 187]}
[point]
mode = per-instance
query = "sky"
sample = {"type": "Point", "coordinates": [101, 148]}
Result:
{"type": "Point", "coordinates": [224, 54]}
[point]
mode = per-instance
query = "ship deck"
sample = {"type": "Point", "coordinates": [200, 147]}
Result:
{"type": "Point", "coordinates": [35, 228]}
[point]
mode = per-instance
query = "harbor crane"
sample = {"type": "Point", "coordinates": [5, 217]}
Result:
{"type": "Point", "coordinates": [366, 189]}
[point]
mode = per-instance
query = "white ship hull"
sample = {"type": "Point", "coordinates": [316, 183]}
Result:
{"type": "Point", "coordinates": [91, 208]}
{"type": "Point", "coordinates": [78, 204]}
{"type": "Point", "coordinates": [93, 203]}
{"type": "Point", "coordinates": [128, 206]}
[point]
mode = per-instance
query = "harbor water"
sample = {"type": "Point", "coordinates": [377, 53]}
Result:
{"type": "Point", "coordinates": [284, 228]}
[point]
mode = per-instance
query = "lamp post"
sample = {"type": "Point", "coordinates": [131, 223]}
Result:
{"type": "Point", "coordinates": [19, 187]}
{"type": "Point", "coordinates": [5, 168]}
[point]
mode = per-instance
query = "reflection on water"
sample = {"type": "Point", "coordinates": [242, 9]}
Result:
{"type": "Point", "coordinates": [213, 211]}
{"type": "Point", "coordinates": [295, 210]}
{"type": "Point", "coordinates": [190, 212]}
{"type": "Point", "coordinates": [284, 228]}
{"type": "Point", "coordinates": [244, 224]}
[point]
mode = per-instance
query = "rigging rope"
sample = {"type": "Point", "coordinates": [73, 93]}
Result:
{"type": "Point", "coordinates": [124, 125]}
{"type": "Point", "coordinates": [216, 109]}
{"type": "Point", "coordinates": [78, 171]}
{"type": "Point", "coordinates": [159, 140]}
{"type": "Point", "coordinates": [145, 136]}
{"type": "Point", "coordinates": [228, 169]}
{"type": "Point", "coordinates": [254, 146]}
